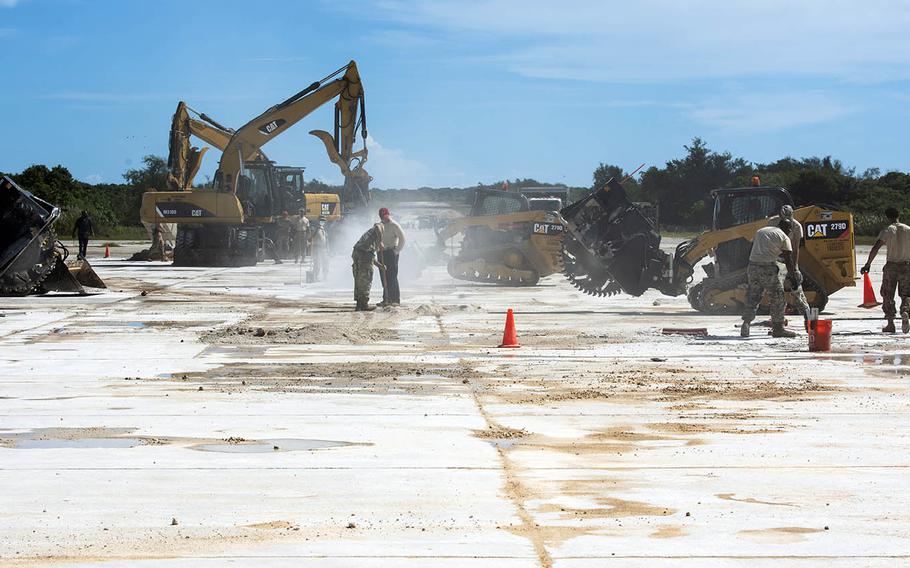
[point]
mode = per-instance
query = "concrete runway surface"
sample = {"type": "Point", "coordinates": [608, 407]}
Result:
{"type": "Point", "coordinates": [237, 416]}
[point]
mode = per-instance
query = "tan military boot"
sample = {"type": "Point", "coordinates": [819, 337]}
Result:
{"type": "Point", "coordinates": [780, 331]}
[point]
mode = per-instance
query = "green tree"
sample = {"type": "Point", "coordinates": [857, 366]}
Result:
{"type": "Point", "coordinates": [153, 175]}
{"type": "Point", "coordinates": [683, 187]}
{"type": "Point", "coordinates": [605, 172]}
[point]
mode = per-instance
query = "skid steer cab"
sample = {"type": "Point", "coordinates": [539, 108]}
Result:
{"type": "Point", "coordinates": [504, 241]}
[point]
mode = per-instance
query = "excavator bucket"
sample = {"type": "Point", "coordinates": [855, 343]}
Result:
{"type": "Point", "coordinates": [31, 259]}
{"type": "Point", "coordinates": [71, 276]}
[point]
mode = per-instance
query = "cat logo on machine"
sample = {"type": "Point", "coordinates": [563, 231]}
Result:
{"type": "Point", "coordinates": [272, 126]}
{"type": "Point", "coordinates": [826, 229]}
{"type": "Point", "coordinates": [548, 229]}
{"type": "Point", "coordinates": [328, 208]}
{"type": "Point", "coordinates": [180, 209]}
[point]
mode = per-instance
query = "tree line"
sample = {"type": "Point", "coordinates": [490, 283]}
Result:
{"type": "Point", "coordinates": [681, 188]}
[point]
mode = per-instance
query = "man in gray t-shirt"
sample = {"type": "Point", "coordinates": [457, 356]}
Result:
{"type": "Point", "coordinates": [768, 246]}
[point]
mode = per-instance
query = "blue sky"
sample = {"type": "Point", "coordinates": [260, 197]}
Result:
{"type": "Point", "coordinates": [459, 91]}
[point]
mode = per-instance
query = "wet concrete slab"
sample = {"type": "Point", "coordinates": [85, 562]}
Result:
{"type": "Point", "coordinates": [133, 435]}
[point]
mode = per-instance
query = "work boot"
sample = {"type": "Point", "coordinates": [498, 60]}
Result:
{"type": "Point", "coordinates": [889, 327]}
{"type": "Point", "coordinates": [364, 307]}
{"type": "Point", "coordinates": [744, 330]}
{"type": "Point", "coordinates": [278, 261]}
{"type": "Point", "coordinates": [778, 330]}
{"type": "Point", "coordinates": [905, 323]}
{"type": "Point", "coordinates": [382, 304]}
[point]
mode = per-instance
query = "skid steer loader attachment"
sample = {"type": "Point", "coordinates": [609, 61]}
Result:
{"type": "Point", "coordinates": [611, 245]}
{"type": "Point", "coordinates": [31, 259]}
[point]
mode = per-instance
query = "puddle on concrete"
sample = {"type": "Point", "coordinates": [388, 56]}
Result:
{"type": "Point", "coordinates": [884, 360]}
{"type": "Point", "coordinates": [270, 446]}
{"type": "Point", "coordinates": [53, 444]}
{"type": "Point", "coordinates": [131, 324]}
{"type": "Point", "coordinates": [503, 443]}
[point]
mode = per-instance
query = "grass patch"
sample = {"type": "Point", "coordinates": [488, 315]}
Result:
{"type": "Point", "coordinates": [124, 233]}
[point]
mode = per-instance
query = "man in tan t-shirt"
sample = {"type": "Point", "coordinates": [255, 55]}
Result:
{"type": "Point", "coordinates": [769, 245]}
{"type": "Point", "coordinates": [392, 243]}
{"type": "Point", "coordinates": [896, 274]}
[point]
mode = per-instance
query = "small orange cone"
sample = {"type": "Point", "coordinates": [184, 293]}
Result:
{"type": "Point", "coordinates": [869, 300]}
{"type": "Point", "coordinates": [509, 337]}
{"type": "Point", "coordinates": [107, 251]}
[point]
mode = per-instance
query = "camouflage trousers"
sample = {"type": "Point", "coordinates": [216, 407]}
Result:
{"type": "Point", "coordinates": [765, 278]}
{"type": "Point", "coordinates": [363, 275]}
{"type": "Point", "coordinates": [895, 278]}
{"type": "Point", "coordinates": [799, 298]}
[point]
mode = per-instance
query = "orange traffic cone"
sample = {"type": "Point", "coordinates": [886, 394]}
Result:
{"type": "Point", "coordinates": [509, 337]}
{"type": "Point", "coordinates": [869, 300]}
{"type": "Point", "coordinates": [107, 251]}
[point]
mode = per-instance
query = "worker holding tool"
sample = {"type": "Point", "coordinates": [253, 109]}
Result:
{"type": "Point", "coordinates": [283, 232]}
{"type": "Point", "coordinates": [392, 243]}
{"type": "Point", "coordinates": [300, 233]}
{"type": "Point", "coordinates": [85, 229]}
{"type": "Point", "coordinates": [896, 273]}
{"type": "Point", "coordinates": [796, 237]}
{"type": "Point", "coordinates": [364, 257]}
{"type": "Point", "coordinates": [765, 275]}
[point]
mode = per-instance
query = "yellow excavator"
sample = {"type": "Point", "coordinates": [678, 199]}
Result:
{"type": "Point", "coordinates": [184, 162]}
{"type": "Point", "coordinates": [225, 225]}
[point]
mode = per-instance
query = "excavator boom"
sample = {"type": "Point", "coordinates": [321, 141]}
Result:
{"type": "Point", "coordinates": [247, 141]}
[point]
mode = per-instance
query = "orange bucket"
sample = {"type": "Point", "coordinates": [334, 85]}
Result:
{"type": "Point", "coordinates": [820, 335]}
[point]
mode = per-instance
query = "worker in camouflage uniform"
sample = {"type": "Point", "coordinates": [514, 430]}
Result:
{"type": "Point", "coordinates": [896, 273]}
{"type": "Point", "coordinates": [796, 237]}
{"type": "Point", "coordinates": [765, 274]}
{"type": "Point", "coordinates": [364, 257]}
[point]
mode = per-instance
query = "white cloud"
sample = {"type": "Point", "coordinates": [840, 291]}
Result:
{"type": "Point", "coordinates": [768, 111]}
{"type": "Point", "coordinates": [667, 40]}
{"type": "Point", "coordinates": [390, 168]}
{"type": "Point", "coordinates": [93, 178]}
{"type": "Point", "coordinates": [8, 3]}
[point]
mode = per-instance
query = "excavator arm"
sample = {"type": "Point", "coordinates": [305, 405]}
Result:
{"type": "Point", "coordinates": [345, 83]}
{"type": "Point", "coordinates": [184, 160]}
